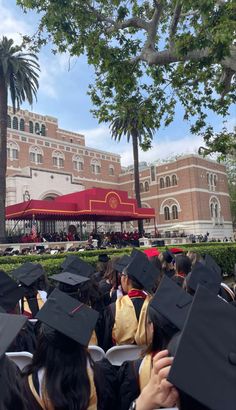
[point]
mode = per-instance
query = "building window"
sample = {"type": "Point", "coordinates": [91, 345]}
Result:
{"type": "Point", "coordinates": [12, 151]}
{"type": "Point", "coordinates": [215, 207]}
{"type": "Point", "coordinates": [212, 210]}
{"type": "Point", "coordinates": [31, 127]}
{"type": "Point", "coordinates": [43, 130]}
{"type": "Point", "coordinates": [141, 187]}
{"type": "Point", "coordinates": [22, 124]}
{"type": "Point", "coordinates": [146, 186]}
{"type": "Point", "coordinates": [36, 155]}
{"type": "Point", "coordinates": [166, 213]}
{"type": "Point", "coordinates": [174, 180]}
{"type": "Point", "coordinates": [15, 123]}
{"type": "Point", "coordinates": [153, 175]}
{"type": "Point", "coordinates": [162, 183]}
{"type": "Point", "coordinates": [78, 163]}
{"type": "Point", "coordinates": [174, 212]}
{"type": "Point", "coordinates": [58, 159]}
{"type": "Point", "coordinates": [111, 170]}
{"type": "Point", "coordinates": [214, 179]}
{"type": "Point", "coordinates": [216, 211]}
{"type": "Point", "coordinates": [8, 121]}
{"type": "Point", "coordinates": [208, 179]}
{"type": "Point", "coordinates": [95, 167]}
{"type": "Point", "coordinates": [37, 128]}
{"type": "Point", "coordinates": [168, 182]}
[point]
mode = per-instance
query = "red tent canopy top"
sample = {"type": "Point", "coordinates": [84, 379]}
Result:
{"type": "Point", "coordinates": [96, 204]}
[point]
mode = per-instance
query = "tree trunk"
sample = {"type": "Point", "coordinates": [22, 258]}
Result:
{"type": "Point", "coordinates": [134, 134]}
{"type": "Point", "coordinates": [3, 156]}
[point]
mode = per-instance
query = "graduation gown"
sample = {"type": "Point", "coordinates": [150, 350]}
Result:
{"type": "Point", "coordinates": [103, 384]}
{"type": "Point", "coordinates": [25, 341]}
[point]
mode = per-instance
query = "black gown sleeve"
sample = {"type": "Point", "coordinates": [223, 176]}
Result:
{"type": "Point", "coordinates": [105, 378]}
{"type": "Point", "coordinates": [108, 323]}
{"type": "Point", "coordinates": [25, 340]}
{"type": "Point", "coordinates": [128, 384]}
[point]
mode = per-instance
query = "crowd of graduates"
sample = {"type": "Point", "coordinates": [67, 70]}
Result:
{"type": "Point", "coordinates": [172, 304]}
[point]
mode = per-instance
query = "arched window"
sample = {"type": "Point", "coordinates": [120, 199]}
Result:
{"type": "Point", "coordinates": [215, 207]}
{"type": "Point", "coordinates": [211, 179]}
{"type": "Point", "coordinates": [216, 210]}
{"type": "Point", "coordinates": [58, 159]}
{"type": "Point", "coordinates": [37, 128]}
{"type": "Point", "coordinates": [22, 124]}
{"type": "Point", "coordinates": [174, 212]}
{"type": "Point", "coordinates": [214, 179]}
{"type": "Point", "coordinates": [208, 179]}
{"type": "Point", "coordinates": [111, 170]}
{"type": "Point", "coordinates": [8, 121]}
{"type": "Point", "coordinates": [146, 186]}
{"type": "Point", "coordinates": [15, 123]}
{"type": "Point", "coordinates": [31, 127]}
{"type": "Point", "coordinates": [166, 213]}
{"type": "Point", "coordinates": [212, 210]}
{"type": "Point", "coordinates": [43, 130]}
{"type": "Point", "coordinates": [162, 183]}
{"type": "Point", "coordinates": [12, 150]}
{"type": "Point", "coordinates": [167, 181]}
{"type": "Point", "coordinates": [78, 163]}
{"type": "Point", "coordinates": [174, 180]}
{"type": "Point", "coordinates": [95, 166]}
{"type": "Point", "coordinates": [36, 155]}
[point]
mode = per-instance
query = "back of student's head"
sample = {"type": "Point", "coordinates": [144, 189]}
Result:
{"type": "Point", "coordinates": [163, 330]}
{"type": "Point", "coordinates": [182, 264]}
{"type": "Point", "coordinates": [65, 362]}
{"type": "Point", "coordinates": [11, 397]}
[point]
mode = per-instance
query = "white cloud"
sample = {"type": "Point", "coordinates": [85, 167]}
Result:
{"type": "Point", "coordinates": [12, 26]}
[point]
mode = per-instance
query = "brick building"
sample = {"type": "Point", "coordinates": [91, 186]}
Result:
{"type": "Point", "coordinates": [190, 193]}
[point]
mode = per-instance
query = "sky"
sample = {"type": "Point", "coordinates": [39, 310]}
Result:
{"type": "Point", "coordinates": [63, 94]}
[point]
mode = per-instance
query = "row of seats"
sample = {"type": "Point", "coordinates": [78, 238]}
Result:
{"type": "Point", "coordinates": [116, 355]}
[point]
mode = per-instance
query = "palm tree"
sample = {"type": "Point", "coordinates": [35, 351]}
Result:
{"type": "Point", "coordinates": [136, 121]}
{"type": "Point", "coordinates": [18, 75]}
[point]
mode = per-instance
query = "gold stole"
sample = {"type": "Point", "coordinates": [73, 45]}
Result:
{"type": "Point", "coordinates": [126, 329]}
{"type": "Point", "coordinates": [26, 305]}
{"type": "Point", "coordinates": [93, 341]}
{"type": "Point", "coordinates": [45, 403]}
{"type": "Point", "coordinates": [145, 371]}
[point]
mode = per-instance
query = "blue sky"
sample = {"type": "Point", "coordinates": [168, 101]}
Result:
{"type": "Point", "coordinates": [63, 94]}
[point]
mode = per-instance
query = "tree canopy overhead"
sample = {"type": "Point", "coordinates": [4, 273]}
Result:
{"type": "Point", "coordinates": [168, 50]}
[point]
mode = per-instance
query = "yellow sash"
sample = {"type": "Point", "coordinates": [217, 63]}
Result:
{"type": "Point", "coordinates": [26, 305]}
{"type": "Point", "coordinates": [93, 341]}
{"type": "Point", "coordinates": [145, 371]}
{"type": "Point", "coordinates": [127, 329]}
{"type": "Point", "coordinates": [47, 405]}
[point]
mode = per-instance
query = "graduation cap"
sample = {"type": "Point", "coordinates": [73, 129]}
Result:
{"type": "Point", "coordinates": [103, 257]}
{"type": "Point", "coordinates": [204, 366]}
{"type": "Point", "coordinates": [211, 264]}
{"type": "Point", "coordinates": [205, 276]}
{"type": "Point", "coordinates": [143, 271]}
{"type": "Point", "coordinates": [68, 316]}
{"type": "Point", "coordinates": [121, 263]}
{"type": "Point", "coordinates": [176, 251]}
{"type": "Point", "coordinates": [77, 266]}
{"type": "Point", "coordinates": [172, 302]}
{"type": "Point", "coordinates": [69, 278]}
{"type": "Point", "coordinates": [10, 292]}
{"type": "Point", "coordinates": [28, 273]}
{"type": "Point", "coordinates": [2, 310]}
{"type": "Point", "coordinates": [10, 325]}
{"type": "Point", "coordinates": [168, 256]}
{"type": "Point", "coordinates": [151, 252]}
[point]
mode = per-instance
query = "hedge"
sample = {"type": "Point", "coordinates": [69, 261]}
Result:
{"type": "Point", "coordinates": [223, 253]}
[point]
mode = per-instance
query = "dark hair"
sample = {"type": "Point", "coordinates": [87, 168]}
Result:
{"type": "Point", "coordinates": [65, 364]}
{"type": "Point", "coordinates": [11, 397]}
{"type": "Point", "coordinates": [134, 283]}
{"type": "Point", "coordinates": [163, 330]}
{"type": "Point", "coordinates": [90, 294]}
{"type": "Point", "coordinates": [111, 274]}
{"type": "Point", "coordinates": [182, 264]}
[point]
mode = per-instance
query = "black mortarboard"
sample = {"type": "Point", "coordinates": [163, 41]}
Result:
{"type": "Point", "coordinates": [121, 263]}
{"type": "Point", "coordinates": [103, 257]}
{"type": "Point", "coordinates": [2, 310]}
{"type": "Point", "coordinates": [77, 266]}
{"type": "Point", "coordinates": [68, 316]}
{"type": "Point", "coordinates": [211, 264]}
{"type": "Point", "coordinates": [143, 271]}
{"type": "Point", "coordinates": [168, 256]}
{"type": "Point", "coordinates": [10, 292]}
{"type": "Point", "coordinates": [203, 275]}
{"type": "Point", "coordinates": [10, 325]}
{"type": "Point", "coordinates": [172, 302]}
{"type": "Point", "coordinates": [69, 278]}
{"type": "Point", "coordinates": [205, 362]}
{"type": "Point", "coordinates": [28, 273]}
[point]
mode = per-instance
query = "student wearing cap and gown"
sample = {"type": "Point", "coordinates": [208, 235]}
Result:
{"type": "Point", "coordinates": [101, 267]}
{"type": "Point", "coordinates": [166, 315]}
{"type": "Point", "coordinates": [11, 396]}
{"type": "Point", "coordinates": [10, 295]}
{"type": "Point", "coordinates": [31, 276]}
{"type": "Point", "coordinates": [167, 263]}
{"type": "Point", "coordinates": [124, 320]}
{"type": "Point", "coordinates": [182, 268]}
{"type": "Point", "coordinates": [62, 374]}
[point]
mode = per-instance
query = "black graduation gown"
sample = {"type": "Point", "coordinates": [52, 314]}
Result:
{"type": "Point", "coordinates": [128, 383]}
{"type": "Point", "coordinates": [25, 340]}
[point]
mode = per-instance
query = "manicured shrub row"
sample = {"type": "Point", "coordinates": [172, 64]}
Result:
{"type": "Point", "coordinates": [224, 254]}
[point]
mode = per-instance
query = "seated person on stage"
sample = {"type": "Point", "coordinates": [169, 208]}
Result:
{"type": "Point", "coordinates": [31, 276]}
{"type": "Point", "coordinates": [10, 296]}
{"type": "Point", "coordinates": [11, 396]}
{"type": "Point", "coordinates": [62, 374]}
{"type": "Point", "coordinates": [124, 320]}
{"type": "Point", "coordinates": [166, 315]}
